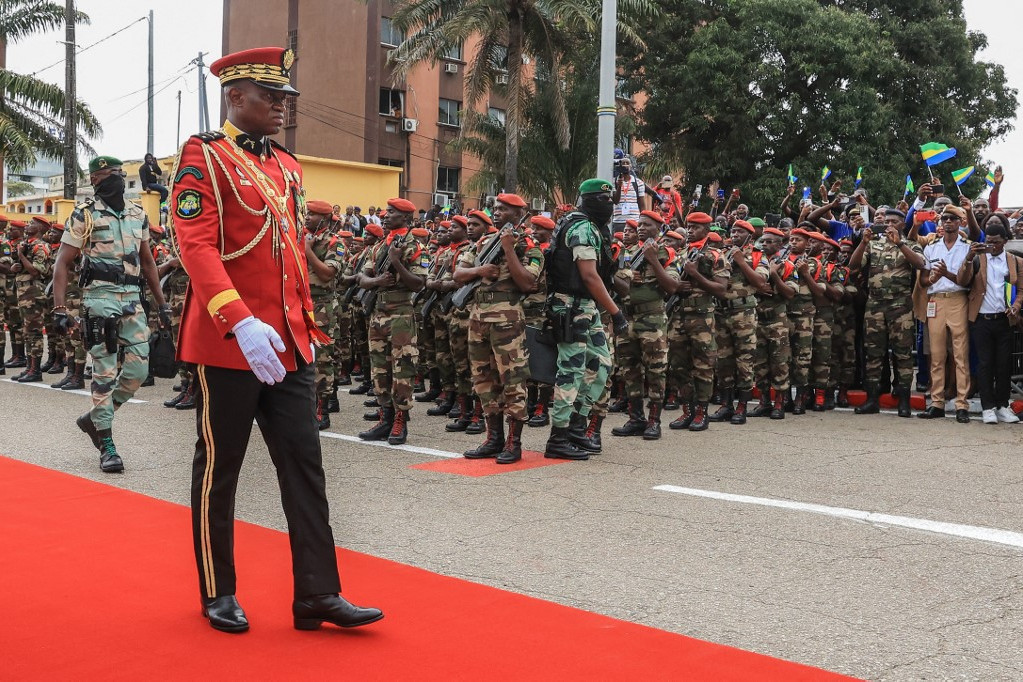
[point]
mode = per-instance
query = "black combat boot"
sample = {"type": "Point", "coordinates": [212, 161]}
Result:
{"type": "Point", "coordinates": [622, 402]}
{"type": "Point", "coordinates": [765, 407]}
{"type": "Point", "coordinates": [419, 385]}
{"type": "Point", "coordinates": [361, 389]}
{"type": "Point", "coordinates": [434, 391]}
{"type": "Point", "coordinates": [77, 380]}
{"type": "Point", "coordinates": [684, 419]}
{"type": "Point", "coordinates": [700, 419]}
{"type": "Point", "coordinates": [357, 374]}
{"type": "Point", "coordinates": [818, 400]}
{"type": "Point", "coordinates": [843, 397]}
{"type": "Point", "coordinates": [829, 398]}
{"type": "Point", "coordinates": [189, 400]}
{"type": "Point", "coordinates": [725, 412]}
{"type": "Point", "coordinates": [739, 416]}
{"type": "Point", "coordinates": [905, 393]}
{"type": "Point", "coordinates": [653, 423]}
{"type": "Point", "coordinates": [778, 412]}
{"type": "Point", "coordinates": [799, 404]}
{"type": "Point", "coordinates": [494, 444]}
{"type": "Point", "coordinates": [59, 366]}
{"type": "Point", "coordinates": [322, 416]}
{"type": "Point", "coordinates": [671, 401]}
{"type": "Point", "coordinates": [531, 397]}
{"type": "Point", "coordinates": [333, 404]}
{"type": "Point", "coordinates": [593, 432]}
{"type": "Point", "coordinates": [173, 402]}
{"type": "Point", "coordinates": [371, 402]}
{"type": "Point", "coordinates": [476, 422]}
{"type": "Point", "coordinates": [512, 451]}
{"type": "Point", "coordinates": [539, 416]}
{"type": "Point", "coordinates": [371, 415]}
{"type": "Point", "coordinates": [31, 373]}
{"type": "Point", "coordinates": [149, 381]}
{"type": "Point", "coordinates": [382, 429]}
{"type": "Point", "coordinates": [343, 379]}
{"type": "Point", "coordinates": [70, 367]}
{"type": "Point", "coordinates": [17, 356]}
{"type": "Point", "coordinates": [577, 427]}
{"type": "Point", "coordinates": [458, 409]}
{"type": "Point", "coordinates": [109, 461]}
{"type": "Point", "coordinates": [399, 428]}
{"type": "Point", "coordinates": [461, 422]}
{"type": "Point", "coordinates": [637, 423]}
{"type": "Point", "coordinates": [51, 360]}
{"type": "Point", "coordinates": [560, 447]}
{"type": "Point", "coordinates": [441, 409]}
{"type": "Point", "coordinates": [871, 405]}
{"type": "Point", "coordinates": [88, 428]}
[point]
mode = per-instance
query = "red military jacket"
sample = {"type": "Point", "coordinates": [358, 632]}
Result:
{"type": "Point", "coordinates": [237, 222]}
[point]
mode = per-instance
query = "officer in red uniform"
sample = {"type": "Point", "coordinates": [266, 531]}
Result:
{"type": "Point", "coordinates": [238, 212]}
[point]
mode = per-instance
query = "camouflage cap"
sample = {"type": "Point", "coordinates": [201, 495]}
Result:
{"type": "Point", "coordinates": [595, 186]}
{"type": "Point", "coordinates": [101, 162]}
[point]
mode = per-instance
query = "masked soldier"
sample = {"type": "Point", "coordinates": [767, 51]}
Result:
{"type": "Point", "coordinates": [324, 254]}
{"type": "Point", "coordinates": [113, 236]}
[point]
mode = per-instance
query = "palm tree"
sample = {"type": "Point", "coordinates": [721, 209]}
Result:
{"type": "Point", "coordinates": [507, 31]}
{"type": "Point", "coordinates": [31, 110]}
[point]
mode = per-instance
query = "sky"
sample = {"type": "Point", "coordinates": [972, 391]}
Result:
{"type": "Point", "coordinates": [112, 75]}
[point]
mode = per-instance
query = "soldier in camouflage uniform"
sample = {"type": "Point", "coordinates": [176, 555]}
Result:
{"type": "Point", "coordinates": [392, 328]}
{"type": "Point", "coordinates": [692, 346]}
{"type": "Point", "coordinates": [112, 234]}
{"type": "Point", "coordinates": [843, 341]}
{"type": "Point", "coordinates": [57, 346]}
{"type": "Point", "coordinates": [800, 312]}
{"type": "Point", "coordinates": [497, 327]}
{"type": "Point", "coordinates": [360, 330]}
{"type": "Point", "coordinates": [642, 351]}
{"type": "Point", "coordinates": [538, 396]}
{"type": "Point", "coordinates": [831, 281]}
{"type": "Point", "coordinates": [438, 284]}
{"type": "Point", "coordinates": [736, 324]}
{"type": "Point", "coordinates": [429, 366]}
{"type": "Point", "coordinates": [324, 254]}
{"type": "Point", "coordinates": [581, 268]}
{"type": "Point", "coordinates": [342, 332]}
{"type": "Point", "coordinates": [10, 238]}
{"type": "Point", "coordinates": [774, 353]}
{"type": "Point", "coordinates": [32, 271]}
{"type": "Point", "coordinates": [176, 285]}
{"type": "Point", "coordinates": [467, 413]}
{"type": "Point", "coordinates": [890, 262]}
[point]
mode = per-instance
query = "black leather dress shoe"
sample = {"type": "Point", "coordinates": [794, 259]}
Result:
{"type": "Point", "coordinates": [963, 416]}
{"type": "Point", "coordinates": [225, 614]}
{"type": "Point", "coordinates": [311, 612]}
{"type": "Point", "coordinates": [932, 412]}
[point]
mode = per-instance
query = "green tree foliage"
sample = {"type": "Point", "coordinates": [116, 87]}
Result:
{"type": "Point", "coordinates": [546, 170]}
{"type": "Point", "coordinates": [508, 30]}
{"type": "Point", "coordinates": [31, 110]}
{"type": "Point", "coordinates": [738, 89]}
{"type": "Point", "coordinates": [19, 188]}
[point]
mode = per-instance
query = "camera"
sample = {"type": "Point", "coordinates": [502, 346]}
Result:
{"type": "Point", "coordinates": [772, 219]}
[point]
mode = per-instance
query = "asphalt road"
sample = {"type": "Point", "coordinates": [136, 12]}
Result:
{"type": "Point", "coordinates": [866, 598]}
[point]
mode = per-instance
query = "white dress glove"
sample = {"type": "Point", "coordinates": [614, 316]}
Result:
{"type": "Point", "coordinates": [258, 340]}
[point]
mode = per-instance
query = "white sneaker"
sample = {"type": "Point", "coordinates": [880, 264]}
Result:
{"type": "Point", "coordinates": [990, 417]}
{"type": "Point", "coordinates": [1006, 415]}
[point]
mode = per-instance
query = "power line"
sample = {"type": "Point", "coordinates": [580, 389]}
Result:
{"type": "Point", "coordinates": [125, 113]}
{"type": "Point", "coordinates": [88, 47]}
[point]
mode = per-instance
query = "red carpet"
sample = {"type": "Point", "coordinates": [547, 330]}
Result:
{"type": "Point", "coordinates": [99, 583]}
{"type": "Point", "coordinates": [488, 467]}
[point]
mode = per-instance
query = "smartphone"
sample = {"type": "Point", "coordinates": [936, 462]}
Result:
{"type": "Point", "coordinates": [928, 215]}
{"type": "Point", "coordinates": [772, 219]}
{"type": "Point", "coordinates": [938, 189]}
{"type": "Point", "coordinates": [721, 194]}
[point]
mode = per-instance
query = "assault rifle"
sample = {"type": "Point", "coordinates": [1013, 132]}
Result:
{"type": "Point", "coordinates": [382, 266]}
{"type": "Point", "coordinates": [355, 288]}
{"type": "Point", "coordinates": [431, 299]}
{"type": "Point", "coordinates": [490, 256]}
{"type": "Point", "coordinates": [692, 256]}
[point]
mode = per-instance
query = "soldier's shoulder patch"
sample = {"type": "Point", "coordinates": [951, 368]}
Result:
{"type": "Point", "coordinates": [209, 136]}
{"type": "Point", "coordinates": [277, 145]}
{"type": "Point", "coordinates": [188, 205]}
{"type": "Point", "coordinates": [189, 170]}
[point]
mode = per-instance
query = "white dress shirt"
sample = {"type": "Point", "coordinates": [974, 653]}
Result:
{"type": "Point", "coordinates": [953, 257]}
{"type": "Point", "coordinates": [994, 296]}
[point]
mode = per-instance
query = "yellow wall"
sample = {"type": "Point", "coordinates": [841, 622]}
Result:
{"type": "Point", "coordinates": [348, 183]}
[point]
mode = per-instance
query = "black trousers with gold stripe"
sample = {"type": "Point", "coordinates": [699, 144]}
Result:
{"type": "Point", "coordinates": [229, 401]}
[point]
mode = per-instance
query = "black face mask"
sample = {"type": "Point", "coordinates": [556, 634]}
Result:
{"type": "Point", "coordinates": [598, 207]}
{"type": "Point", "coordinates": [111, 190]}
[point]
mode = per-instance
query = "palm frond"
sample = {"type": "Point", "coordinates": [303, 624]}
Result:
{"type": "Point", "coordinates": [22, 18]}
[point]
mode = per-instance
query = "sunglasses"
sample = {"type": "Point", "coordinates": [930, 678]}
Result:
{"type": "Point", "coordinates": [950, 218]}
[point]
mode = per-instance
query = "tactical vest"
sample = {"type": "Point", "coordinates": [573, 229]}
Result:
{"type": "Point", "coordinates": [562, 273]}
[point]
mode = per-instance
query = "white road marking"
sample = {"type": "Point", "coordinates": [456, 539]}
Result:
{"type": "Point", "coordinates": [41, 384]}
{"type": "Point", "coordinates": [996, 535]}
{"type": "Point", "coordinates": [384, 444]}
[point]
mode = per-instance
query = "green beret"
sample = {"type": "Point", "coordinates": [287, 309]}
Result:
{"type": "Point", "coordinates": [717, 228]}
{"type": "Point", "coordinates": [101, 162]}
{"type": "Point", "coordinates": [757, 222]}
{"type": "Point", "coordinates": [595, 186]}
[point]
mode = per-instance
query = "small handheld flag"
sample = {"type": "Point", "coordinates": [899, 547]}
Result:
{"type": "Point", "coordinates": [859, 176]}
{"type": "Point", "coordinates": [990, 179]}
{"type": "Point", "coordinates": [962, 175]}
{"type": "Point", "coordinates": [825, 173]}
{"type": "Point", "coordinates": [806, 193]}
{"type": "Point", "coordinates": [792, 178]}
{"type": "Point", "coordinates": [1010, 294]}
{"type": "Point", "coordinates": [909, 186]}
{"type": "Point", "coordinates": [934, 153]}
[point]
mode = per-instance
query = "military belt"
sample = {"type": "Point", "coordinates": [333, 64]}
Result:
{"type": "Point", "coordinates": [395, 297]}
{"type": "Point", "coordinates": [643, 308]}
{"type": "Point", "coordinates": [115, 278]}
{"type": "Point", "coordinates": [497, 297]}
{"type": "Point", "coordinates": [742, 302]}
{"type": "Point", "coordinates": [768, 314]}
{"type": "Point", "coordinates": [696, 301]}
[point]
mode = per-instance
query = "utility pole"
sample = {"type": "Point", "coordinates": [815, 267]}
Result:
{"type": "Point", "coordinates": [177, 134]}
{"type": "Point", "coordinates": [149, 90]}
{"type": "Point", "coordinates": [204, 110]}
{"type": "Point", "coordinates": [606, 108]}
{"type": "Point", "coordinates": [70, 118]}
